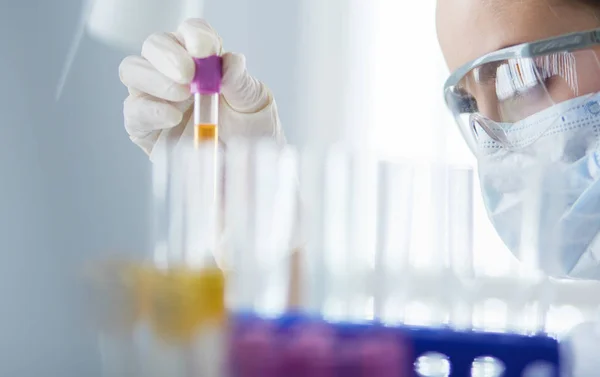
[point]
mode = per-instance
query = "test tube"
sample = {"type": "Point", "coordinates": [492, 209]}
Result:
{"type": "Point", "coordinates": [528, 316]}
{"type": "Point", "coordinates": [115, 309]}
{"type": "Point", "coordinates": [206, 86]}
{"type": "Point", "coordinates": [350, 200]}
{"type": "Point", "coordinates": [428, 303]}
{"type": "Point", "coordinates": [460, 210]}
{"type": "Point", "coordinates": [363, 235]}
{"type": "Point", "coordinates": [313, 270]}
{"type": "Point", "coordinates": [336, 234]}
{"type": "Point", "coordinates": [240, 262]}
{"type": "Point", "coordinates": [440, 258]}
{"type": "Point", "coordinates": [394, 236]}
{"type": "Point", "coordinates": [186, 310]}
{"type": "Point", "coordinates": [274, 211]}
{"type": "Point", "coordinates": [161, 352]}
{"type": "Point", "coordinates": [460, 244]}
{"type": "Point", "coordinates": [161, 185]}
{"type": "Point", "coordinates": [260, 210]}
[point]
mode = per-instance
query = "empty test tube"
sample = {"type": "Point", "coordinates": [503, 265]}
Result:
{"type": "Point", "coordinates": [460, 227]}
{"type": "Point", "coordinates": [274, 211]}
{"type": "Point", "coordinates": [394, 236]}
{"type": "Point", "coordinates": [260, 210]}
{"type": "Point", "coordinates": [460, 244]}
{"type": "Point", "coordinates": [531, 313]}
{"type": "Point", "coordinates": [115, 307]}
{"type": "Point", "coordinates": [312, 270]}
{"type": "Point", "coordinates": [349, 234]}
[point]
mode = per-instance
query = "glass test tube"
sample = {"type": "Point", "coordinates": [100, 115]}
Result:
{"type": "Point", "coordinates": [206, 87]}
{"type": "Point", "coordinates": [530, 314]}
{"type": "Point", "coordinates": [460, 244]}
{"type": "Point", "coordinates": [115, 310]}
{"type": "Point", "coordinates": [206, 113]}
{"type": "Point", "coordinates": [336, 231]}
{"type": "Point", "coordinates": [428, 257]}
{"type": "Point", "coordinates": [185, 299]}
{"type": "Point", "coordinates": [209, 335]}
{"type": "Point", "coordinates": [394, 238]}
{"type": "Point", "coordinates": [260, 209]}
{"type": "Point", "coordinates": [349, 234]}
{"type": "Point", "coordinates": [313, 270]}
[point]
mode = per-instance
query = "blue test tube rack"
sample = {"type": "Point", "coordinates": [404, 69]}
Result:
{"type": "Point", "coordinates": [461, 348]}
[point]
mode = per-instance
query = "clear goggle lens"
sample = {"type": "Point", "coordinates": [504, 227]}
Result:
{"type": "Point", "coordinates": [492, 99]}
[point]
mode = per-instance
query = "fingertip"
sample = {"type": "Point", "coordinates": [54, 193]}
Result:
{"type": "Point", "coordinates": [199, 38]}
{"type": "Point", "coordinates": [196, 22]}
{"type": "Point", "coordinates": [168, 56]}
{"type": "Point", "coordinates": [140, 77]}
{"type": "Point", "coordinates": [234, 59]}
{"type": "Point", "coordinates": [234, 66]}
{"type": "Point", "coordinates": [125, 67]}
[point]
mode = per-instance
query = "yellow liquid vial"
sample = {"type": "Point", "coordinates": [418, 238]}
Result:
{"type": "Point", "coordinates": [182, 301]}
{"type": "Point", "coordinates": [205, 133]}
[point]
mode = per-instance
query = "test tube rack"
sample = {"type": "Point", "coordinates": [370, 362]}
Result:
{"type": "Point", "coordinates": [297, 345]}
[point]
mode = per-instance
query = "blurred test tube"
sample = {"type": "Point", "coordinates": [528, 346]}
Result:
{"type": "Point", "coordinates": [275, 211]}
{"type": "Point", "coordinates": [460, 210]}
{"type": "Point", "coordinates": [261, 199]}
{"type": "Point", "coordinates": [312, 267]}
{"type": "Point", "coordinates": [185, 329]}
{"type": "Point", "coordinates": [429, 260]}
{"type": "Point", "coordinates": [349, 234]}
{"type": "Point", "coordinates": [394, 236]}
{"type": "Point", "coordinates": [239, 261]}
{"type": "Point", "coordinates": [157, 356]}
{"type": "Point", "coordinates": [528, 314]}
{"type": "Point", "coordinates": [336, 233]}
{"type": "Point", "coordinates": [363, 235]}
{"type": "Point", "coordinates": [460, 245]}
{"type": "Point", "coordinates": [115, 309]}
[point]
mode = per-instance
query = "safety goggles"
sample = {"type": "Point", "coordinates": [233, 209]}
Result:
{"type": "Point", "coordinates": [495, 94]}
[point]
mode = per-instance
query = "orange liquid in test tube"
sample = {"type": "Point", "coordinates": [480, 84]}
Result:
{"type": "Point", "coordinates": [205, 132]}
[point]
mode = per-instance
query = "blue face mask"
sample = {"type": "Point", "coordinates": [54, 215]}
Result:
{"type": "Point", "coordinates": [548, 189]}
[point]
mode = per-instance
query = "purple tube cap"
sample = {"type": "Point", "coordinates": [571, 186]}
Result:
{"type": "Point", "coordinates": [254, 352]}
{"type": "Point", "coordinates": [208, 74]}
{"type": "Point", "coordinates": [309, 351]}
{"type": "Point", "coordinates": [384, 356]}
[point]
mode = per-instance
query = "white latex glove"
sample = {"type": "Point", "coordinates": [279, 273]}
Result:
{"type": "Point", "coordinates": [159, 106]}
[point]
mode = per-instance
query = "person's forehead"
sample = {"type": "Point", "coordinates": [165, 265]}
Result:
{"type": "Point", "coordinates": [468, 29]}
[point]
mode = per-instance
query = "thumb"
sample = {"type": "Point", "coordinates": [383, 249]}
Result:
{"type": "Point", "coordinates": [242, 92]}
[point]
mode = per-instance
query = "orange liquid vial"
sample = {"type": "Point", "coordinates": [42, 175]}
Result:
{"type": "Point", "coordinates": [206, 133]}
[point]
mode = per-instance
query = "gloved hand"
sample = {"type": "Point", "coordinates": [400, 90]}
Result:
{"type": "Point", "coordinates": [159, 106]}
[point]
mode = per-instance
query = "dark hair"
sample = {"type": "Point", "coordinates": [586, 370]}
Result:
{"type": "Point", "coordinates": [591, 3]}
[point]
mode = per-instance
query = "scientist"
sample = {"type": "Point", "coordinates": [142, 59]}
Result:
{"type": "Point", "coordinates": [524, 92]}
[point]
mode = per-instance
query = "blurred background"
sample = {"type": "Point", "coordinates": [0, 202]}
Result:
{"type": "Point", "coordinates": [74, 187]}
